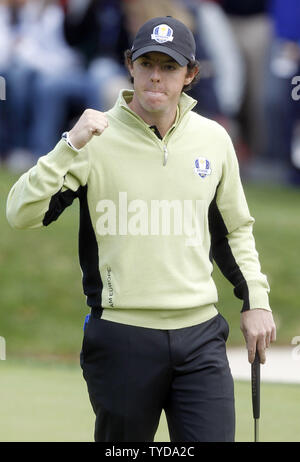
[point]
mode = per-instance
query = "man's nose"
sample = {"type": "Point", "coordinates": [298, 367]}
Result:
{"type": "Point", "coordinates": [155, 75]}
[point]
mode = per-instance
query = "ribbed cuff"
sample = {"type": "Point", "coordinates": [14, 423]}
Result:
{"type": "Point", "coordinates": [62, 155]}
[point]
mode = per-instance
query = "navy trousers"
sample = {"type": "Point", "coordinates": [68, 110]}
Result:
{"type": "Point", "coordinates": [133, 373]}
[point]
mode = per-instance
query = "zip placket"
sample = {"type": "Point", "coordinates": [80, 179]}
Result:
{"type": "Point", "coordinates": [162, 142]}
{"type": "Point", "coordinates": [165, 155]}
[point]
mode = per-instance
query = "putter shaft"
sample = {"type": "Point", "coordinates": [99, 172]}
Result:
{"type": "Point", "coordinates": [255, 384]}
{"type": "Point", "coordinates": [256, 430]}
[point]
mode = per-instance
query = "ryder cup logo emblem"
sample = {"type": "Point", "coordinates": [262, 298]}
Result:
{"type": "Point", "coordinates": [162, 33]}
{"type": "Point", "coordinates": [202, 167]}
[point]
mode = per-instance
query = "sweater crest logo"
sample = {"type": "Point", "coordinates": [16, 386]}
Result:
{"type": "Point", "coordinates": [202, 167]}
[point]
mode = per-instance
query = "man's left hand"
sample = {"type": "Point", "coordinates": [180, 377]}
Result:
{"type": "Point", "coordinates": [259, 330]}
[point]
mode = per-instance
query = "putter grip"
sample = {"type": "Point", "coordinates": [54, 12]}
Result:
{"type": "Point", "coordinates": [255, 382]}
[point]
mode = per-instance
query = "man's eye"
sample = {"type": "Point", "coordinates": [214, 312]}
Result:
{"type": "Point", "coordinates": [170, 67]}
{"type": "Point", "coordinates": [145, 63]}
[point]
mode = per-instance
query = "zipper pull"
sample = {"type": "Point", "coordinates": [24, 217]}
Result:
{"type": "Point", "coordinates": [165, 155]}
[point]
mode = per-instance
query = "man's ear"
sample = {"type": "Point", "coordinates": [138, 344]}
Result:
{"type": "Point", "coordinates": [130, 66]}
{"type": "Point", "coordinates": [190, 75]}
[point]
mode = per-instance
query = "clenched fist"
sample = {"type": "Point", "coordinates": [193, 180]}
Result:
{"type": "Point", "coordinates": [91, 123]}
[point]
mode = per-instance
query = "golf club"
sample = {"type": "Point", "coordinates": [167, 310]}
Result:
{"type": "Point", "coordinates": [255, 384]}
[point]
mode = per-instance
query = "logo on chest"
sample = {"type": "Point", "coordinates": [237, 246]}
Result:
{"type": "Point", "coordinates": [202, 167]}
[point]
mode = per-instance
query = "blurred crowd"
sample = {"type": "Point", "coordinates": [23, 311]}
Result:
{"type": "Point", "coordinates": [59, 57]}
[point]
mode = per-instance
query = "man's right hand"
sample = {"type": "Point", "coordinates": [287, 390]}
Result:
{"type": "Point", "coordinates": [91, 123]}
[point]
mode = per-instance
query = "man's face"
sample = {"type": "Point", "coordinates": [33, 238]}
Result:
{"type": "Point", "coordinates": [158, 82]}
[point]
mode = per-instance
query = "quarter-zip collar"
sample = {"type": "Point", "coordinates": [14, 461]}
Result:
{"type": "Point", "coordinates": [122, 111]}
{"type": "Point", "coordinates": [186, 104]}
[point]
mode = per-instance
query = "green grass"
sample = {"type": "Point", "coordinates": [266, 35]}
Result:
{"type": "Point", "coordinates": [48, 401]}
{"type": "Point", "coordinates": [42, 304]}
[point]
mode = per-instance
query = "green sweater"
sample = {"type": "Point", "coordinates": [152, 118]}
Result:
{"type": "Point", "coordinates": [154, 215]}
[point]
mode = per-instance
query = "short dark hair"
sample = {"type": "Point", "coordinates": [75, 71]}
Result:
{"type": "Point", "coordinates": [190, 66]}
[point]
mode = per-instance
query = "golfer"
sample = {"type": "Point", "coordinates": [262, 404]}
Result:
{"type": "Point", "coordinates": [160, 199]}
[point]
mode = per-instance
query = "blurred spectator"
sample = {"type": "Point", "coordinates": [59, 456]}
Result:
{"type": "Point", "coordinates": [93, 29]}
{"type": "Point", "coordinates": [34, 45]}
{"type": "Point", "coordinates": [226, 61]}
{"type": "Point", "coordinates": [225, 55]}
{"type": "Point", "coordinates": [97, 29]}
{"type": "Point", "coordinates": [282, 112]}
{"type": "Point", "coordinates": [11, 23]}
{"type": "Point", "coordinates": [251, 26]}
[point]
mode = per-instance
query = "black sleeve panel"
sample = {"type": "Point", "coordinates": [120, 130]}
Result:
{"type": "Point", "coordinates": [222, 254]}
{"type": "Point", "coordinates": [88, 247]}
{"type": "Point", "coordinates": [88, 253]}
{"type": "Point", "coordinates": [59, 202]}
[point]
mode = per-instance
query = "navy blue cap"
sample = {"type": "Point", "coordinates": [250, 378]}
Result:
{"type": "Point", "coordinates": [166, 35]}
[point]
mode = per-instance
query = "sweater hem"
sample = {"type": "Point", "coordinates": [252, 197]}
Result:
{"type": "Point", "coordinates": [161, 318]}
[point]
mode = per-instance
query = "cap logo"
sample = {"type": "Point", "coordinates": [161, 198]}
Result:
{"type": "Point", "coordinates": [162, 33]}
